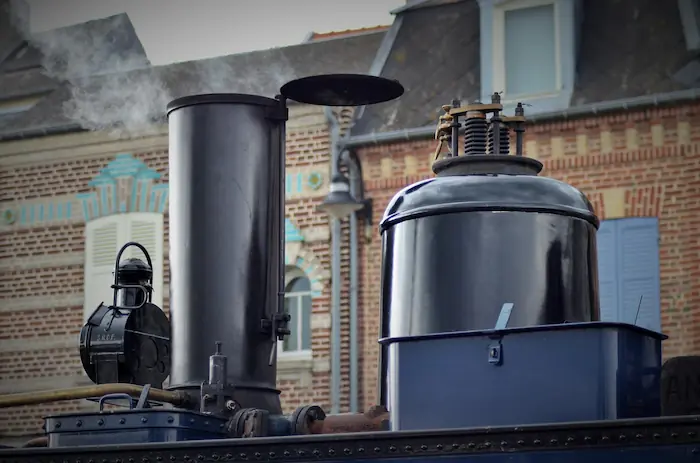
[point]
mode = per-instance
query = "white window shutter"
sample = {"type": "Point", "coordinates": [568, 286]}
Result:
{"type": "Point", "coordinates": [146, 228]}
{"type": "Point", "coordinates": [102, 242]}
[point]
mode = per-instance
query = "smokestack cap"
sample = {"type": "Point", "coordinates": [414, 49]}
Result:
{"type": "Point", "coordinates": [342, 90]}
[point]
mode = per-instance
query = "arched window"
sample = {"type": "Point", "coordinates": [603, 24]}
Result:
{"type": "Point", "coordinates": [103, 239]}
{"type": "Point", "coordinates": [297, 303]}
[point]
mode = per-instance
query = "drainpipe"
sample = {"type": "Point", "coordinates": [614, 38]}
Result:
{"type": "Point", "coordinates": [335, 273]}
{"type": "Point", "coordinates": [355, 181]}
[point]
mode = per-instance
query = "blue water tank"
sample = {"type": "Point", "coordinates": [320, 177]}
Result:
{"type": "Point", "coordinates": [528, 375]}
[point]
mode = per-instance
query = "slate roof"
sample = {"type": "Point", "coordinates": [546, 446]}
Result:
{"type": "Point", "coordinates": [628, 48]}
{"type": "Point", "coordinates": [141, 95]}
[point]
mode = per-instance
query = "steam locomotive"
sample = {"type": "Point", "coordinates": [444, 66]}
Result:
{"type": "Point", "coordinates": [492, 348]}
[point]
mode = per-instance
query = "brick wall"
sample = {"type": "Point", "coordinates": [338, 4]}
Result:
{"type": "Point", "coordinates": [643, 163]}
{"type": "Point", "coordinates": [41, 269]}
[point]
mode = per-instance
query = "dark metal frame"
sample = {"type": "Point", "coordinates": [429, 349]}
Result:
{"type": "Point", "coordinates": [653, 432]}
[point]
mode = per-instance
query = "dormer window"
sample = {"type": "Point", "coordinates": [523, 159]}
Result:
{"type": "Point", "coordinates": [527, 52]}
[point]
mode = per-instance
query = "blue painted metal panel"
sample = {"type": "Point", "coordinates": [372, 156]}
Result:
{"type": "Point", "coordinates": [628, 271]}
{"type": "Point", "coordinates": [607, 271]}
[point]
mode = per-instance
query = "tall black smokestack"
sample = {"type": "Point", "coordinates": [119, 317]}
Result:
{"type": "Point", "coordinates": [226, 240]}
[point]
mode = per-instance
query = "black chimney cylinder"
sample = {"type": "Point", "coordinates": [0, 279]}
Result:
{"type": "Point", "coordinates": [226, 242]}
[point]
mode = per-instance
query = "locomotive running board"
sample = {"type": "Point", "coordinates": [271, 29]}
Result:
{"type": "Point", "coordinates": [672, 439]}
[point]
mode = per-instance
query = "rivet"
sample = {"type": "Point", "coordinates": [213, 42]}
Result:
{"type": "Point", "coordinates": [695, 451]}
{"type": "Point", "coordinates": [122, 420]}
{"type": "Point", "coordinates": [623, 437]}
{"type": "Point", "coordinates": [424, 447]}
{"type": "Point", "coordinates": [360, 449]}
{"type": "Point", "coordinates": [172, 458]}
{"type": "Point", "coordinates": [554, 441]}
{"type": "Point", "coordinates": [691, 433]}
{"type": "Point", "coordinates": [229, 456]}
{"type": "Point", "coordinates": [144, 419]}
{"type": "Point", "coordinates": [521, 442]}
{"type": "Point", "coordinates": [316, 452]}
{"type": "Point", "coordinates": [570, 439]}
{"type": "Point", "coordinates": [286, 453]}
{"type": "Point", "coordinates": [91, 460]}
{"type": "Point", "coordinates": [159, 458]}
{"type": "Point", "coordinates": [78, 423]}
{"type": "Point", "coordinates": [471, 445]}
{"type": "Point", "coordinates": [455, 445]}
{"type": "Point", "coordinates": [144, 460]}
{"type": "Point", "coordinates": [272, 454]}
{"type": "Point", "coordinates": [487, 444]}
{"type": "Point", "coordinates": [200, 457]}
{"type": "Point", "coordinates": [393, 449]}
{"type": "Point", "coordinates": [118, 460]}
{"type": "Point", "coordinates": [331, 452]}
{"type": "Point", "coordinates": [243, 456]}
{"type": "Point", "coordinates": [171, 419]}
{"type": "Point", "coordinates": [301, 453]}
{"type": "Point", "coordinates": [57, 425]}
{"type": "Point", "coordinates": [536, 442]}
{"type": "Point", "coordinates": [504, 443]}
{"type": "Point", "coordinates": [206, 423]}
{"type": "Point", "coordinates": [656, 435]}
{"type": "Point", "coordinates": [639, 436]}
{"type": "Point", "coordinates": [100, 422]}
{"type": "Point", "coordinates": [674, 434]}
{"type": "Point", "coordinates": [191, 420]}
{"type": "Point", "coordinates": [587, 439]}
{"type": "Point", "coordinates": [257, 455]}
{"type": "Point", "coordinates": [348, 451]}
{"type": "Point", "coordinates": [439, 446]}
{"type": "Point", "coordinates": [605, 438]}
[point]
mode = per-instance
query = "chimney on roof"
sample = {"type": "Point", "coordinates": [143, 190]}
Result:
{"type": "Point", "coordinates": [14, 26]}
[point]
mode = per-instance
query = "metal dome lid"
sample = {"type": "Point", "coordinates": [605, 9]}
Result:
{"type": "Point", "coordinates": [486, 177]}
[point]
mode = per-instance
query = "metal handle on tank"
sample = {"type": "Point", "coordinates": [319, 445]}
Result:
{"type": "Point", "coordinates": [101, 402]}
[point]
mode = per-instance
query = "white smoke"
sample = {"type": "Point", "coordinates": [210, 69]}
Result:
{"type": "Point", "coordinates": [117, 91]}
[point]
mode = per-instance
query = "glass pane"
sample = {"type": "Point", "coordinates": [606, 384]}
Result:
{"type": "Point", "coordinates": [531, 63]}
{"type": "Point", "coordinates": [291, 341]}
{"type": "Point", "coordinates": [298, 285]}
{"type": "Point", "coordinates": [306, 322]}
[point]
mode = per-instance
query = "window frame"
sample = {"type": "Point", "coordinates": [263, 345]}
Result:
{"type": "Point", "coordinates": [499, 50]}
{"type": "Point", "coordinates": [291, 273]}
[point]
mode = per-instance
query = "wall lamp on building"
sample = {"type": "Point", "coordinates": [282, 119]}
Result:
{"type": "Point", "coordinates": [342, 198]}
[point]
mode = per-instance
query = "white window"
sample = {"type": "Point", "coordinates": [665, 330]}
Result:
{"type": "Point", "coordinates": [297, 303]}
{"type": "Point", "coordinates": [103, 239]}
{"type": "Point", "coordinates": [526, 49]}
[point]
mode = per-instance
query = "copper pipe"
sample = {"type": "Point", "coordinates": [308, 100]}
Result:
{"type": "Point", "coordinates": [37, 442]}
{"type": "Point", "coordinates": [375, 419]}
{"type": "Point", "coordinates": [58, 395]}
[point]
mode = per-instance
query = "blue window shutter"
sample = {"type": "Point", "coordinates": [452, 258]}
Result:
{"type": "Point", "coordinates": [628, 271]}
{"type": "Point", "coordinates": [638, 272]}
{"type": "Point", "coordinates": [607, 271]}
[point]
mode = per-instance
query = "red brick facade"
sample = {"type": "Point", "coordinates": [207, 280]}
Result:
{"type": "Point", "coordinates": [643, 163]}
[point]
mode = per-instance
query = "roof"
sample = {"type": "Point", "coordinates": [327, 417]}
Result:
{"type": "Point", "coordinates": [139, 96]}
{"type": "Point", "coordinates": [616, 58]}
{"type": "Point", "coordinates": [346, 33]}
{"type": "Point", "coordinates": [41, 66]}
{"type": "Point", "coordinates": [433, 66]}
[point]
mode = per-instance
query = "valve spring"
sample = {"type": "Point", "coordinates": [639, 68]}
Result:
{"type": "Point", "coordinates": [504, 140]}
{"type": "Point", "coordinates": [475, 129]}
